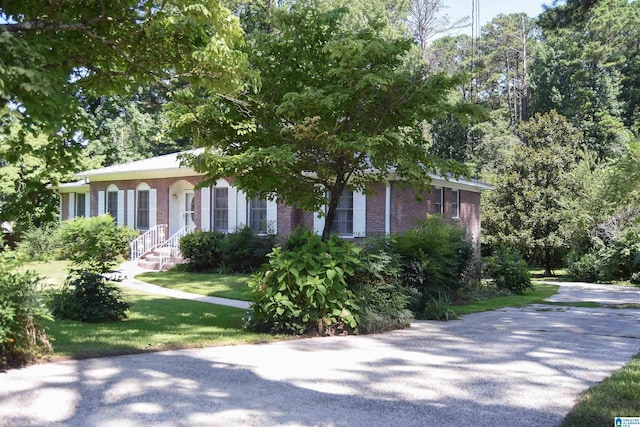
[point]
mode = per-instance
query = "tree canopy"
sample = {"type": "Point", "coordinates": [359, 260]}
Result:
{"type": "Point", "coordinates": [55, 54]}
{"type": "Point", "coordinates": [337, 107]}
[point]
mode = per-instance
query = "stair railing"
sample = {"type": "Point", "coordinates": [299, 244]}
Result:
{"type": "Point", "coordinates": [169, 249]}
{"type": "Point", "coordinates": [147, 242]}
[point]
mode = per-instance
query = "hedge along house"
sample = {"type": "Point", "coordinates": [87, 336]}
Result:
{"type": "Point", "coordinates": [159, 198]}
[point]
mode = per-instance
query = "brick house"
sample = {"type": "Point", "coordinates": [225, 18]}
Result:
{"type": "Point", "coordinates": [150, 193]}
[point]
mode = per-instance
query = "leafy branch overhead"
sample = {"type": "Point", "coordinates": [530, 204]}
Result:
{"type": "Point", "coordinates": [55, 55]}
{"type": "Point", "coordinates": [336, 107]}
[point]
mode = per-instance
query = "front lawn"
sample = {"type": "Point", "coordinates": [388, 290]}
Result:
{"type": "Point", "coordinates": [155, 323]}
{"type": "Point", "coordinates": [617, 396]}
{"type": "Point", "coordinates": [54, 272]}
{"type": "Point", "coordinates": [537, 295]}
{"type": "Point", "coordinates": [233, 286]}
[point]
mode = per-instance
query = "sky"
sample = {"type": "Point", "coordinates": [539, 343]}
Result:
{"type": "Point", "coordinates": [490, 8]}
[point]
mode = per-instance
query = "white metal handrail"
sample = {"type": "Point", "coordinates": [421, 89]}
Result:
{"type": "Point", "coordinates": [169, 249]}
{"type": "Point", "coordinates": [148, 241]}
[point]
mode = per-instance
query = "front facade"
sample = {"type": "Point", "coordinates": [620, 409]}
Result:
{"type": "Point", "coordinates": [147, 193]}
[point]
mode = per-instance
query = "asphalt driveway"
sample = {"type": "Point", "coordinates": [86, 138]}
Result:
{"type": "Point", "coordinates": [517, 367]}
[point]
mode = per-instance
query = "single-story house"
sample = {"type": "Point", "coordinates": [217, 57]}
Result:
{"type": "Point", "coordinates": [160, 194]}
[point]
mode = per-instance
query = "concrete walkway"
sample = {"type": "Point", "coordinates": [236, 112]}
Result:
{"type": "Point", "coordinates": [130, 268]}
{"type": "Point", "coordinates": [516, 367]}
{"type": "Point", "coordinates": [591, 292]}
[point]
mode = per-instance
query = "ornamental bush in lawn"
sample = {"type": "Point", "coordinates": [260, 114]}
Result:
{"type": "Point", "coordinates": [22, 308]}
{"type": "Point", "coordinates": [509, 271]}
{"type": "Point", "coordinates": [305, 289]}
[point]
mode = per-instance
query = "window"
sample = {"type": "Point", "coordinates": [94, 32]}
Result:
{"type": "Point", "coordinates": [258, 215]}
{"type": "Point", "coordinates": [220, 209]}
{"type": "Point", "coordinates": [81, 204]}
{"type": "Point", "coordinates": [112, 203]}
{"type": "Point", "coordinates": [343, 222]}
{"type": "Point", "coordinates": [143, 210]}
{"type": "Point", "coordinates": [455, 203]}
{"type": "Point", "coordinates": [438, 200]}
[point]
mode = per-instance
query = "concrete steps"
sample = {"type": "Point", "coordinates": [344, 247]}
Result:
{"type": "Point", "coordinates": [151, 261]}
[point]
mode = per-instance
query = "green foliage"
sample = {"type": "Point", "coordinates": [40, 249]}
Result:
{"type": "Point", "coordinates": [439, 308]}
{"type": "Point", "coordinates": [202, 250]}
{"type": "Point", "coordinates": [509, 271]}
{"type": "Point", "coordinates": [378, 287]}
{"type": "Point", "coordinates": [22, 309]}
{"type": "Point", "coordinates": [342, 103]}
{"type": "Point", "coordinates": [585, 268]}
{"type": "Point", "coordinates": [306, 290]}
{"type": "Point", "coordinates": [41, 244]}
{"type": "Point", "coordinates": [55, 58]}
{"type": "Point", "coordinates": [619, 258]}
{"type": "Point", "coordinates": [87, 297]}
{"type": "Point", "coordinates": [435, 257]}
{"type": "Point", "coordinates": [95, 244]}
{"type": "Point", "coordinates": [244, 251]}
{"type": "Point", "coordinates": [525, 210]}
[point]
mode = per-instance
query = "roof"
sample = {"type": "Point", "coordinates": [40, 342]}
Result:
{"type": "Point", "coordinates": [168, 165]}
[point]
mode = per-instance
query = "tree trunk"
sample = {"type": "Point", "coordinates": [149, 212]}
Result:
{"type": "Point", "coordinates": [547, 262]}
{"type": "Point", "coordinates": [334, 198]}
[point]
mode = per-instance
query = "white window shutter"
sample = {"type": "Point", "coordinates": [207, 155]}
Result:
{"type": "Point", "coordinates": [241, 213]}
{"type": "Point", "coordinates": [359, 214]}
{"type": "Point", "coordinates": [131, 206]}
{"type": "Point", "coordinates": [72, 205]}
{"type": "Point", "coordinates": [232, 208]}
{"type": "Point", "coordinates": [153, 208]}
{"type": "Point", "coordinates": [100, 202]}
{"type": "Point", "coordinates": [87, 205]}
{"type": "Point", "coordinates": [318, 222]}
{"type": "Point", "coordinates": [120, 213]}
{"type": "Point", "coordinates": [205, 208]}
{"type": "Point", "coordinates": [272, 217]}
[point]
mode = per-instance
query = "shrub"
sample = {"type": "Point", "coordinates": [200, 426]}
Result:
{"type": "Point", "coordinates": [41, 244]}
{"type": "Point", "coordinates": [95, 244]}
{"type": "Point", "coordinates": [586, 268]}
{"type": "Point", "coordinates": [379, 291]}
{"type": "Point", "coordinates": [436, 256]}
{"type": "Point", "coordinates": [620, 257]}
{"type": "Point", "coordinates": [22, 308]}
{"type": "Point", "coordinates": [439, 308]}
{"type": "Point", "coordinates": [306, 290]}
{"type": "Point", "coordinates": [509, 271]}
{"type": "Point", "coordinates": [87, 297]}
{"type": "Point", "coordinates": [244, 251]}
{"type": "Point", "coordinates": [202, 249]}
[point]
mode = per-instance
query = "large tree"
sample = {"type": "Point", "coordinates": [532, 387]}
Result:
{"type": "Point", "coordinates": [525, 209]}
{"type": "Point", "coordinates": [337, 107]}
{"type": "Point", "coordinates": [57, 53]}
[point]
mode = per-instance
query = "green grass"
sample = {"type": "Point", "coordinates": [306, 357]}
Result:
{"type": "Point", "coordinates": [54, 272]}
{"type": "Point", "coordinates": [617, 396]}
{"type": "Point", "coordinates": [534, 296]}
{"type": "Point", "coordinates": [232, 286]}
{"type": "Point", "coordinates": [155, 323]}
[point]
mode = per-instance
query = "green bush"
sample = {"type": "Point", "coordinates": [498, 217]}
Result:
{"type": "Point", "coordinates": [439, 308]}
{"type": "Point", "coordinates": [509, 271]}
{"type": "Point", "coordinates": [585, 268]}
{"type": "Point", "coordinates": [244, 251]}
{"type": "Point", "coordinates": [620, 257]}
{"type": "Point", "coordinates": [41, 244]}
{"type": "Point", "coordinates": [87, 297]}
{"type": "Point", "coordinates": [202, 250]}
{"type": "Point", "coordinates": [22, 308]}
{"type": "Point", "coordinates": [379, 290]}
{"type": "Point", "coordinates": [95, 244]}
{"type": "Point", "coordinates": [306, 290]}
{"type": "Point", "coordinates": [436, 256]}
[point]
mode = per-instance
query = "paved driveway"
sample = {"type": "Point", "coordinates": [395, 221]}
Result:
{"type": "Point", "coordinates": [517, 367]}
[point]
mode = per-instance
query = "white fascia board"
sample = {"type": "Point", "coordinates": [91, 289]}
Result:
{"type": "Point", "coordinates": [72, 187]}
